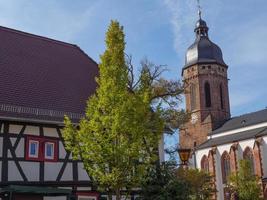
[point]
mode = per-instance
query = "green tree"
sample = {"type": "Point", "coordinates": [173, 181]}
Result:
{"type": "Point", "coordinates": [162, 184]}
{"type": "Point", "coordinates": [200, 183]}
{"type": "Point", "coordinates": [245, 183]}
{"type": "Point", "coordinates": [169, 183]}
{"type": "Point", "coordinates": [117, 139]}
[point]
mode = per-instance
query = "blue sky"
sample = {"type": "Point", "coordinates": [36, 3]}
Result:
{"type": "Point", "coordinates": [160, 30]}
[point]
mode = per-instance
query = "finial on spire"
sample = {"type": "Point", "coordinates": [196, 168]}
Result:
{"type": "Point", "coordinates": [199, 9]}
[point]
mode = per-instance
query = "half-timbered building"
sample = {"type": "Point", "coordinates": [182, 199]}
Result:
{"type": "Point", "coordinates": [41, 80]}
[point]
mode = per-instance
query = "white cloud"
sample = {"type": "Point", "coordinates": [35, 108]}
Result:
{"type": "Point", "coordinates": [180, 21]}
{"type": "Point", "coordinates": [183, 16]}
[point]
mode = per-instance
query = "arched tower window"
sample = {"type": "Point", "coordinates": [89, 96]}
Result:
{"type": "Point", "coordinates": [248, 155]}
{"type": "Point", "coordinates": [207, 95]}
{"type": "Point", "coordinates": [205, 163]}
{"type": "Point", "coordinates": [221, 96]}
{"type": "Point", "coordinates": [193, 96]}
{"type": "Point", "coordinates": [225, 166]}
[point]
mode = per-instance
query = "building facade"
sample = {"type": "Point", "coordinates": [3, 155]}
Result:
{"type": "Point", "coordinates": [206, 88]}
{"type": "Point", "coordinates": [41, 80]}
{"type": "Point", "coordinates": [218, 140]}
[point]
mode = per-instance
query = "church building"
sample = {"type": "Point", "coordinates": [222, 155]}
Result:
{"type": "Point", "coordinates": [218, 140]}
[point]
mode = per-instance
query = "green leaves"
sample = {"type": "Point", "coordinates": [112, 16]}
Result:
{"type": "Point", "coordinates": [117, 137]}
{"type": "Point", "coordinates": [166, 182]}
{"type": "Point", "coordinates": [245, 183]}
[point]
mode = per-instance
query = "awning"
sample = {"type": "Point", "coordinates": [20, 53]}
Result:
{"type": "Point", "coordinates": [49, 191]}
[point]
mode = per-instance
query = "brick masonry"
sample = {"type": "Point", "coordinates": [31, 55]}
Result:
{"type": "Point", "coordinates": [205, 118]}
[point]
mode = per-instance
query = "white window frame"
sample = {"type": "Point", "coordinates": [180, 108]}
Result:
{"type": "Point", "coordinates": [36, 155]}
{"type": "Point", "coordinates": [53, 151]}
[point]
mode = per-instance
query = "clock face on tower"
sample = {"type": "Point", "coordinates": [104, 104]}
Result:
{"type": "Point", "coordinates": [194, 118]}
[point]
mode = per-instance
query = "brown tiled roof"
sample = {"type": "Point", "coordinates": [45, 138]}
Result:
{"type": "Point", "coordinates": [43, 78]}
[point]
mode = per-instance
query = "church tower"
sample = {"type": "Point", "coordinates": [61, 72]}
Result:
{"type": "Point", "coordinates": [206, 88]}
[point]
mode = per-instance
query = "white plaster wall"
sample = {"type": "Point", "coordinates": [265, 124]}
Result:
{"type": "Point", "coordinates": [31, 170]}
{"type": "Point", "coordinates": [13, 140]}
{"type": "Point", "coordinates": [226, 147]}
{"type": "Point", "coordinates": [20, 148]}
{"type": "Point", "coordinates": [1, 146]}
{"type": "Point", "coordinates": [51, 170]}
{"type": "Point", "coordinates": [9, 154]}
{"type": "Point", "coordinates": [199, 155]}
{"type": "Point", "coordinates": [191, 162]}
{"type": "Point", "coordinates": [264, 156]}
{"type": "Point", "coordinates": [247, 143]}
{"type": "Point", "coordinates": [13, 172]}
{"type": "Point", "coordinates": [67, 174]}
{"type": "Point", "coordinates": [222, 148]}
{"type": "Point", "coordinates": [82, 174]}
{"type": "Point", "coordinates": [84, 188]}
{"type": "Point", "coordinates": [52, 132]}
{"type": "Point", "coordinates": [54, 198]}
{"type": "Point", "coordinates": [239, 153]}
{"type": "Point", "coordinates": [219, 184]}
{"type": "Point", "coordinates": [62, 151]}
{"type": "Point", "coordinates": [13, 128]}
{"type": "Point", "coordinates": [32, 130]}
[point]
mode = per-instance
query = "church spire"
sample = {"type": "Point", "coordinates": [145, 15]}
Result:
{"type": "Point", "coordinates": [199, 9]}
{"type": "Point", "coordinates": [201, 28]}
{"type": "Point", "coordinates": [206, 87]}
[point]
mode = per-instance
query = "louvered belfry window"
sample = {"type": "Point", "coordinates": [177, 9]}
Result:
{"type": "Point", "coordinates": [207, 94]}
{"type": "Point", "coordinates": [193, 96]}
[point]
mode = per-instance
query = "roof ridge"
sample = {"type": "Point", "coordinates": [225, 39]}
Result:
{"type": "Point", "coordinates": [15, 31]}
{"type": "Point", "coordinates": [85, 54]}
{"type": "Point", "coordinates": [265, 109]}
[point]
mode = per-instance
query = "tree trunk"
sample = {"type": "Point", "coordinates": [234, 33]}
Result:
{"type": "Point", "coordinates": [109, 195]}
{"type": "Point", "coordinates": [118, 194]}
